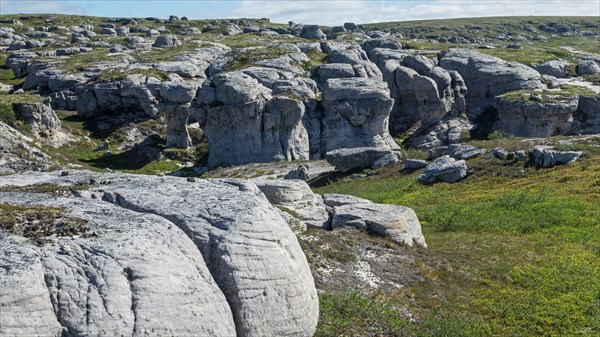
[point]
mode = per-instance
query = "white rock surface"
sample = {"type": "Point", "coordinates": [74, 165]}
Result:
{"type": "Point", "coordinates": [212, 253]}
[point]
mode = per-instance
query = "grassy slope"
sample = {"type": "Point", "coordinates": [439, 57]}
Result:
{"type": "Point", "coordinates": [513, 255]}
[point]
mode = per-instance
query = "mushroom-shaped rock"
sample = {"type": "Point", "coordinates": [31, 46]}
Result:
{"type": "Point", "coordinates": [356, 113]}
{"type": "Point", "coordinates": [488, 76]}
{"type": "Point", "coordinates": [245, 123]}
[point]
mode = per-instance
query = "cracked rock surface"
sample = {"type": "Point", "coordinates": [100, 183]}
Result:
{"type": "Point", "coordinates": [168, 257]}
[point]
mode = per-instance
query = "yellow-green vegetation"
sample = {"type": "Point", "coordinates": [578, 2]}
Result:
{"type": "Point", "coordinates": [7, 75]}
{"type": "Point", "coordinates": [512, 251]}
{"type": "Point", "coordinates": [148, 159]}
{"type": "Point", "coordinates": [248, 57]}
{"type": "Point", "coordinates": [352, 313]}
{"type": "Point", "coordinates": [117, 74]}
{"type": "Point", "coordinates": [44, 188]}
{"type": "Point", "coordinates": [452, 27]}
{"type": "Point", "coordinates": [529, 55]}
{"type": "Point", "coordinates": [79, 62]}
{"type": "Point", "coordinates": [566, 92]}
{"type": "Point", "coordinates": [37, 223]}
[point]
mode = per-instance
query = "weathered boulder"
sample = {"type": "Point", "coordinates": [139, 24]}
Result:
{"type": "Point", "coordinates": [178, 92]}
{"type": "Point", "coordinates": [587, 117]}
{"type": "Point", "coordinates": [556, 68]}
{"type": "Point", "coordinates": [423, 92]}
{"type": "Point", "coordinates": [356, 112]}
{"type": "Point", "coordinates": [535, 117]}
{"type": "Point", "coordinates": [60, 82]}
{"type": "Point", "coordinates": [545, 156]}
{"type": "Point", "coordinates": [223, 265]}
{"type": "Point", "coordinates": [184, 69]}
{"type": "Point", "coordinates": [17, 154]}
{"type": "Point", "coordinates": [447, 131]}
{"type": "Point", "coordinates": [313, 32]}
{"type": "Point", "coordinates": [333, 199]}
{"type": "Point", "coordinates": [414, 164]}
{"type": "Point", "coordinates": [399, 223]}
{"type": "Point", "coordinates": [245, 123]}
{"type": "Point", "coordinates": [39, 116]}
{"type": "Point", "coordinates": [587, 67]}
{"type": "Point", "coordinates": [345, 70]}
{"type": "Point", "coordinates": [347, 159]}
{"type": "Point", "coordinates": [137, 43]}
{"type": "Point", "coordinates": [166, 41]}
{"type": "Point", "coordinates": [488, 76]}
{"type": "Point", "coordinates": [301, 172]}
{"type": "Point", "coordinates": [445, 169]}
{"type": "Point", "coordinates": [296, 198]}
{"type": "Point", "coordinates": [464, 151]}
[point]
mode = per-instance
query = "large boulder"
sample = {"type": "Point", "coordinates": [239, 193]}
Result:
{"type": "Point", "coordinates": [399, 223]}
{"type": "Point", "coordinates": [445, 169]}
{"type": "Point", "coordinates": [356, 113]}
{"type": "Point", "coordinates": [17, 154]}
{"type": "Point", "coordinates": [313, 32]}
{"type": "Point", "coordinates": [588, 67]}
{"type": "Point", "coordinates": [166, 41]}
{"type": "Point", "coordinates": [295, 198]}
{"type": "Point", "coordinates": [360, 157]}
{"type": "Point", "coordinates": [39, 116]}
{"type": "Point", "coordinates": [545, 156]}
{"type": "Point", "coordinates": [488, 76]}
{"type": "Point", "coordinates": [529, 116]}
{"type": "Point", "coordinates": [556, 68]}
{"type": "Point", "coordinates": [216, 254]}
{"type": "Point", "coordinates": [587, 116]}
{"type": "Point", "coordinates": [245, 123]}
{"type": "Point", "coordinates": [423, 92]}
{"type": "Point", "coordinates": [464, 151]}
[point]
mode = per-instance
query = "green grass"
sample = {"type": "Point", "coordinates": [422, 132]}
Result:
{"type": "Point", "coordinates": [339, 312]}
{"type": "Point", "coordinates": [514, 253]}
{"type": "Point", "coordinates": [7, 75]}
{"type": "Point", "coordinates": [566, 92]}
{"type": "Point", "coordinates": [246, 58]}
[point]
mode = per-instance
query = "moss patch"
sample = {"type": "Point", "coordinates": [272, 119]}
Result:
{"type": "Point", "coordinates": [38, 223]}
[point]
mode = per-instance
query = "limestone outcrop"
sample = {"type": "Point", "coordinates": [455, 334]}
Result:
{"type": "Point", "coordinates": [487, 77]}
{"type": "Point", "coordinates": [216, 255]}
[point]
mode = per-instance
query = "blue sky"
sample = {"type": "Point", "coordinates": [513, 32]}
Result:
{"type": "Point", "coordinates": [327, 12]}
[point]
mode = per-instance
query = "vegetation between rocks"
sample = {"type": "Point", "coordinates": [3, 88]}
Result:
{"type": "Point", "coordinates": [512, 251]}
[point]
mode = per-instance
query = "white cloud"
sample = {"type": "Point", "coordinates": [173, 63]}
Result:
{"type": "Point", "coordinates": [40, 6]}
{"type": "Point", "coordinates": [335, 12]}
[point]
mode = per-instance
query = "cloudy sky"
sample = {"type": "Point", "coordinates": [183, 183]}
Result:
{"type": "Point", "coordinates": [326, 12]}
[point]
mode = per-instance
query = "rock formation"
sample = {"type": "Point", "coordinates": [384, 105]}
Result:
{"type": "Point", "coordinates": [223, 264]}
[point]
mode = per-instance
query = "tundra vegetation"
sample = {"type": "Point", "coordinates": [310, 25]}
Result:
{"type": "Point", "coordinates": [512, 249]}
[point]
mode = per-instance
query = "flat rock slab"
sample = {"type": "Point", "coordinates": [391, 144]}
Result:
{"type": "Point", "coordinates": [464, 151]}
{"type": "Point", "coordinates": [396, 222]}
{"type": "Point", "coordinates": [546, 156]}
{"type": "Point", "coordinates": [361, 157]}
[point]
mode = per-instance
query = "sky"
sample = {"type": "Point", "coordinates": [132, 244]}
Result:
{"type": "Point", "coordinates": [323, 12]}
